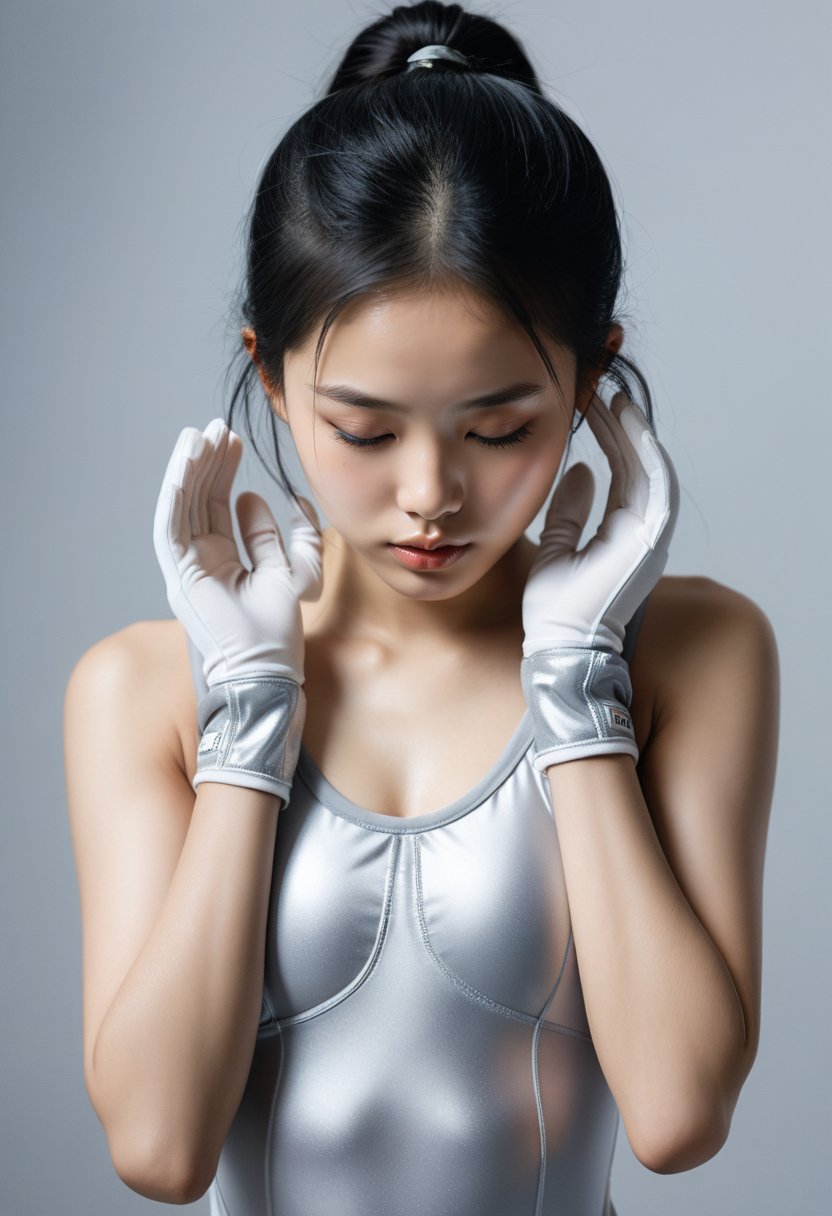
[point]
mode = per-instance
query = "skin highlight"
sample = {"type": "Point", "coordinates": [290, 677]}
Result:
{"type": "Point", "coordinates": [430, 473]}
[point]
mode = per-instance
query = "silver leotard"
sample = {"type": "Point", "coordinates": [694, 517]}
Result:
{"type": "Point", "coordinates": [423, 1046]}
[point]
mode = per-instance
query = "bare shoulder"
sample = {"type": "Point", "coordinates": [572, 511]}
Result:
{"type": "Point", "coordinates": [145, 666]}
{"type": "Point", "coordinates": [694, 624]}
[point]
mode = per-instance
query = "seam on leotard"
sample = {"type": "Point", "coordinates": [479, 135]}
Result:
{"type": "Point", "coordinates": [267, 1156]}
{"type": "Point", "coordinates": [272, 1016]}
{"type": "Point", "coordinates": [541, 1120]}
{"type": "Point", "coordinates": [469, 990]}
{"type": "Point", "coordinates": [372, 961]}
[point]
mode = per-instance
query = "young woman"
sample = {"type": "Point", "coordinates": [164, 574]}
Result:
{"type": "Point", "coordinates": [416, 856]}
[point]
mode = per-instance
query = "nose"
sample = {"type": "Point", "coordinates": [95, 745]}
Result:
{"type": "Point", "coordinates": [430, 482]}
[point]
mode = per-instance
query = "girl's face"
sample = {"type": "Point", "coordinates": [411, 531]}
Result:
{"type": "Point", "coordinates": [432, 458]}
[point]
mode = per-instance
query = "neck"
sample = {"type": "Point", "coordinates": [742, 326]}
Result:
{"type": "Point", "coordinates": [357, 603]}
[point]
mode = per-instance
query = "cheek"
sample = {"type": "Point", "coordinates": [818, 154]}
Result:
{"type": "Point", "coordinates": [355, 491]}
{"type": "Point", "coordinates": [517, 488]}
{"type": "Point", "coordinates": [343, 483]}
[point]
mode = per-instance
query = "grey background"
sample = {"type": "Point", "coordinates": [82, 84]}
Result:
{"type": "Point", "coordinates": [132, 136]}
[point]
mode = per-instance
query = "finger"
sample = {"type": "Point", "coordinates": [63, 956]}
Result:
{"type": "Point", "coordinates": [568, 511]}
{"type": "Point", "coordinates": [167, 516]}
{"type": "Point", "coordinates": [166, 486]}
{"type": "Point", "coordinates": [663, 506]}
{"type": "Point", "coordinates": [171, 525]}
{"type": "Point", "coordinates": [217, 435]}
{"type": "Point", "coordinates": [192, 448]}
{"type": "Point", "coordinates": [197, 510]}
{"type": "Point", "coordinates": [305, 553]}
{"type": "Point", "coordinates": [606, 429]}
{"type": "Point", "coordinates": [219, 495]}
{"type": "Point", "coordinates": [628, 484]}
{"type": "Point", "coordinates": [194, 451]}
{"type": "Point", "coordinates": [634, 426]}
{"type": "Point", "coordinates": [260, 533]}
{"type": "Point", "coordinates": [659, 484]}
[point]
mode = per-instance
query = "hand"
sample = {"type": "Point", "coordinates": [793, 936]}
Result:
{"type": "Point", "coordinates": [587, 598]}
{"type": "Point", "coordinates": [243, 622]}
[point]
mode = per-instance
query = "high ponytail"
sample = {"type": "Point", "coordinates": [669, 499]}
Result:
{"type": "Point", "coordinates": [381, 50]}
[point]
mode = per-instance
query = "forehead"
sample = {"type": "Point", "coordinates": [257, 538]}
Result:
{"type": "Point", "coordinates": [452, 338]}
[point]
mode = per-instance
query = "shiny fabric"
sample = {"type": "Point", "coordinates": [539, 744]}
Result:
{"type": "Point", "coordinates": [580, 702]}
{"type": "Point", "coordinates": [250, 730]}
{"type": "Point", "coordinates": [423, 1046]}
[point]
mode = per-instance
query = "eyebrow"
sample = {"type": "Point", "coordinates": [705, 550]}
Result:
{"type": "Point", "coordinates": [503, 396]}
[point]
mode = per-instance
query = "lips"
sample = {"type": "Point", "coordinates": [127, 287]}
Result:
{"type": "Point", "coordinates": [422, 542]}
{"type": "Point", "coordinates": [425, 560]}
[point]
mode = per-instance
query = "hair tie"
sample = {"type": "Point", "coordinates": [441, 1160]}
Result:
{"type": "Point", "coordinates": [423, 58]}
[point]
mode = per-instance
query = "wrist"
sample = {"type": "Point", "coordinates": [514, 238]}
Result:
{"type": "Point", "coordinates": [600, 637]}
{"type": "Point", "coordinates": [251, 728]}
{"type": "Point", "coordinates": [610, 760]}
{"type": "Point", "coordinates": [223, 673]}
{"type": "Point", "coordinates": [579, 697]}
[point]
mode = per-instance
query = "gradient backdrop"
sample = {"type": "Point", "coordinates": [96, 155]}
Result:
{"type": "Point", "coordinates": [132, 136]}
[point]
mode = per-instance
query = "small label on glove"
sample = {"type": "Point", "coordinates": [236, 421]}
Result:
{"type": "Point", "coordinates": [210, 741]}
{"type": "Point", "coordinates": [619, 718]}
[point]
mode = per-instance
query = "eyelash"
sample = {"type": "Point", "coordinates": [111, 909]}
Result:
{"type": "Point", "coordinates": [504, 441]}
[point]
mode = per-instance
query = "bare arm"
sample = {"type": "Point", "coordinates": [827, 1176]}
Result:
{"type": "Point", "coordinates": [666, 902]}
{"type": "Point", "coordinates": [174, 890]}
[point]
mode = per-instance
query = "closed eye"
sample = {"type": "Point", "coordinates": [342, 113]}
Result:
{"type": "Point", "coordinates": [502, 441]}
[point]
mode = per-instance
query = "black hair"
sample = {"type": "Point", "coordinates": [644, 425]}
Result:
{"type": "Point", "coordinates": [431, 178]}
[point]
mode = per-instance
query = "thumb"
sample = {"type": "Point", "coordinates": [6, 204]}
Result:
{"type": "Point", "coordinates": [569, 510]}
{"type": "Point", "coordinates": [260, 533]}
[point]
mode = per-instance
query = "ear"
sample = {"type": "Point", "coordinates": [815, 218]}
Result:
{"type": "Point", "coordinates": [589, 381]}
{"type": "Point", "coordinates": [275, 396]}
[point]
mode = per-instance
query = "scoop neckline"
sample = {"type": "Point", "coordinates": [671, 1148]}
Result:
{"type": "Point", "coordinates": [381, 821]}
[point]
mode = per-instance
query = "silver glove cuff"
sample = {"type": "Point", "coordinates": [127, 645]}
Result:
{"type": "Point", "coordinates": [579, 697]}
{"type": "Point", "coordinates": [251, 731]}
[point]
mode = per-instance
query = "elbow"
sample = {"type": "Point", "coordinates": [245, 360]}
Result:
{"type": "Point", "coordinates": [161, 1171]}
{"type": "Point", "coordinates": [671, 1146]}
{"type": "Point", "coordinates": [161, 1164]}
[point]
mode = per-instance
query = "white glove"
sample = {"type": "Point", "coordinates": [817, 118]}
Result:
{"type": "Point", "coordinates": [243, 622]}
{"type": "Point", "coordinates": [587, 597]}
{"type": "Point", "coordinates": [576, 605]}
